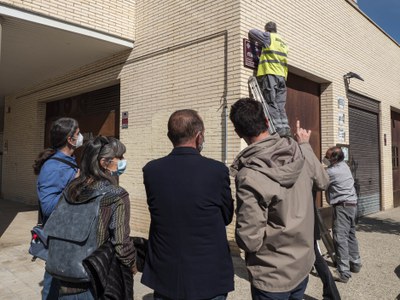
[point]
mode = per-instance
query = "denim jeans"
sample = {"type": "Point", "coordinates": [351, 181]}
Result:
{"type": "Point", "coordinates": [81, 296]}
{"type": "Point", "coordinates": [50, 287]}
{"type": "Point", "coordinates": [296, 294]}
{"type": "Point", "coordinates": [344, 237]}
{"type": "Point", "coordinates": [158, 296]}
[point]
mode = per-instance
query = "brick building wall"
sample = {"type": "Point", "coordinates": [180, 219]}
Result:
{"type": "Point", "coordinates": [116, 17]}
{"type": "Point", "coordinates": [187, 57]}
{"type": "Point", "coordinates": [190, 56]}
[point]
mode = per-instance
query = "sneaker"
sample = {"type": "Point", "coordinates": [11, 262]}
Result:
{"type": "Point", "coordinates": [355, 268]}
{"type": "Point", "coordinates": [339, 277]}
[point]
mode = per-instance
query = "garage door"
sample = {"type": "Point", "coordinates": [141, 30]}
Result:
{"type": "Point", "coordinates": [97, 113]}
{"type": "Point", "coordinates": [364, 151]}
{"type": "Point", "coordinates": [395, 157]}
{"type": "Point", "coordinates": [303, 103]}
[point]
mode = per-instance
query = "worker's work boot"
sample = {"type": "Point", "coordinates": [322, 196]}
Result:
{"type": "Point", "coordinates": [337, 276]}
{"type": "Point", "coordinates": [355, 268]}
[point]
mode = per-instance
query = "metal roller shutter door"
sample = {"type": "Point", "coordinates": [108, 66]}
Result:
{"type": "Point", "coordinates": [364, 157]}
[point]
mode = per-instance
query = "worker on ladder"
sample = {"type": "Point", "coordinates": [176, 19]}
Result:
{"type": "Point", "coordinates": [272, 74]}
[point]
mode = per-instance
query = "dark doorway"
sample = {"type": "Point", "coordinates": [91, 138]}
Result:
{"type": "Point", "coordinates": [97, 113]}
{"type": "Point", "coordinates": [303, 103]}
{"type": "Point", "coordinates": [395, 117]}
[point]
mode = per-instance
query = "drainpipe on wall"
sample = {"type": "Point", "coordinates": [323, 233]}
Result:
{"type": "Point", "coordinates": [224, 101]}
{"type": "Point", "coordinates": [225, 133]}
{"type": "Point", "coordinates": [1, 30]}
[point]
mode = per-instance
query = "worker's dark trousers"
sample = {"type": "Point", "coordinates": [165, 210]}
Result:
{"type": "Point", "coordinates": [344, 238]}
{"type": "Point", "coordinates": [330, 290]}
{"type": "Point", "coordinates": [274, 91]}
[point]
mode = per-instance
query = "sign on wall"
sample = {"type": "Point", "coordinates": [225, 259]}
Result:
{"type": "Point", "coordinates": [124, 120]}
{"type": "Point", "coordinates": [251, 53]}
{"type": "Point", "coordinates": [341, 120]}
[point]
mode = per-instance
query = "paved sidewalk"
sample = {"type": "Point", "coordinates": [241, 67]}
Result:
{"type": "Point", "coordinates": [378, 234]}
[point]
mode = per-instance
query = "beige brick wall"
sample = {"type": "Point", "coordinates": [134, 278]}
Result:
{"type": "Point", "coordinates": [116, 17]}
{"type": "Point", "coordinates": [20, 148]}
{"type": "Point", "coordinates": [179, 61]}
{"type": "Point", "coordinates": [187, 57]}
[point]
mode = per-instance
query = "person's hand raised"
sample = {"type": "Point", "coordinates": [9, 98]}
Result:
{"type": "Point", "coordinates": [302, 135]}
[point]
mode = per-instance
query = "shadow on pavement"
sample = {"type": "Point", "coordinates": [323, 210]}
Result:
{"type": "Point", "coordinates": [148, 297]}
{"type": "Point", "coordinates": [367, 224]}
{"type": "Point", "coordinates": [8, 211]}
{"type": "Point", "coordinates": [397, 271]}
{"type": "Point", "coordinates": [306, 297]}
{"type": "Point", "coordinates": [240, 267]}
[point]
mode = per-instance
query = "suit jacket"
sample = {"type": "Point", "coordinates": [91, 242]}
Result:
{"type": "Point", "coordinates": [190, 203]}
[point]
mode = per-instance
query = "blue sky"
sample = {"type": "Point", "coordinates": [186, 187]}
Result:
{"type": "Point", "coordinates": [385, 13]}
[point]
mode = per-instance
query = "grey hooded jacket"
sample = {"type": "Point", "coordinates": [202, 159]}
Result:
{"type": "Point", "coordinates": [275, 216]}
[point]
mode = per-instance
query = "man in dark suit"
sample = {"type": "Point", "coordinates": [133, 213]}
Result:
{"type": "Point", "coordinates": [190, 203]}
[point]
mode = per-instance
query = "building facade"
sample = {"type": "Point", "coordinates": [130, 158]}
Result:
{"type": "Point", "coordinates": [122, 67]}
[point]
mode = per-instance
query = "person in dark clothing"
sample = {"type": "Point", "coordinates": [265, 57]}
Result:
{"type": "Point", "coordinates": [190, 204]}
{"type": "Point", "coordinates": [330, 291]}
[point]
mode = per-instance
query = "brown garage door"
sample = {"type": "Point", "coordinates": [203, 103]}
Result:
{"type": "Point", "coordinates": [97, 113]}
{"type": "Point", "coordinates": [395, 157]}
{"type": "Point", "coordinates": [303, 103]}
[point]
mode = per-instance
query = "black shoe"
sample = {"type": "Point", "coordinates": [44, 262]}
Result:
{"type": "Point", "coordinates": [339, 277]}
{"type": "Point", "coordinates": [355, 268]}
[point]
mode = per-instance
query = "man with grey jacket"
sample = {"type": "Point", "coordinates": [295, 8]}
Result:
{"type": "Point", "coordinates": [274, 179]}
{"type": "Point", "coordinates": [342, 195]}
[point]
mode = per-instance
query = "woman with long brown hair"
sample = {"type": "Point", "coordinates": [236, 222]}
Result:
{"type": "Point", "coordinates": [101, 164]}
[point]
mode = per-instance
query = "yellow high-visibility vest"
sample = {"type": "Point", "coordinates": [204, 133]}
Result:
{"type": "Point", "coordinates": [273, 59]}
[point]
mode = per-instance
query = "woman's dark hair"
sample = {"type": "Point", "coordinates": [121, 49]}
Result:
{"type": "Point", "coordinates": [60, 130]}
{"type": "Point", "coordinates": [91, 171]}
{"type": "Point", "coordinates": [248, 118]}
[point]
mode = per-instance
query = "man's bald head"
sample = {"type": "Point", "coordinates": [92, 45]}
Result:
{"type": "Point", "coordinates": [183, 126]}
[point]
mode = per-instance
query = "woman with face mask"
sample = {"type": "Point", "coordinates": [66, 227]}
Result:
{"type": "Point", "coordinates": [102, 162]}
{"type": "Point", "coordinates": [56, 168]}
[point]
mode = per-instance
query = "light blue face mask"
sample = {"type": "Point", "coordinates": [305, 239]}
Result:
{"type": "Point", "coordinates": [120, 169]}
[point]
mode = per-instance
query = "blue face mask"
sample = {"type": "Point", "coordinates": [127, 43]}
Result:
{"type": "Point", "coordinates": [120, 169]}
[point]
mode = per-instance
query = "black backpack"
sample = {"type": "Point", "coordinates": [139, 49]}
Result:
{"type": "Point", "coordinates": [72, 236]}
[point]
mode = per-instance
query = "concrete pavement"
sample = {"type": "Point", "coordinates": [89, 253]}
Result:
{"type": "Point", "coordinates": [378, 234]}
